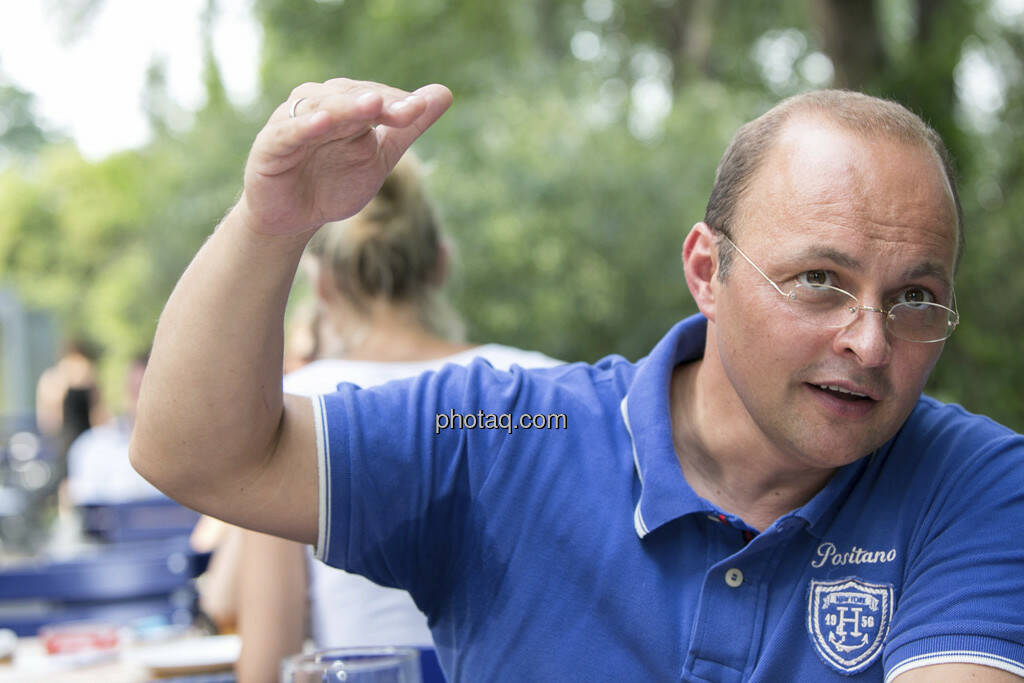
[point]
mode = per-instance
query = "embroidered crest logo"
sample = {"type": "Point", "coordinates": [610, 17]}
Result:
{"type": "Point", "coordinates": [848, 621]}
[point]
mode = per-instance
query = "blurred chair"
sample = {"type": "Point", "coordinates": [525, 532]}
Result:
{"type": "Point", "coordinates": [28, 484]}
{"type": "Point", "coordinates": [134, 563]}
{"type": "Point", "coordinates": [137, 520]}
{"type": "Point", "coordinates": [112, 583]}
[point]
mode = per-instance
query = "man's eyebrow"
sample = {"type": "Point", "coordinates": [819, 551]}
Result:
{"type": "Point", "coordinates": [829, 253]}
{"type": "Point", "coordinates": [924, 269]}
{"type": "Point", "coordinates": [928, 269]}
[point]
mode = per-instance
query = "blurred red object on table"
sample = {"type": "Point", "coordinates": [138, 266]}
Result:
{"type": "Point", "coordinates": [79, 637]}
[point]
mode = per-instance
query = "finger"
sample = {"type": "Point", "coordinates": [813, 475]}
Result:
{"type": "Point", "coordinates": [396, 139]}
{"type": "Point", "coordinates": [348, 85]}
{"type": "Point", "coordinates": [341, 109]}
{"type": "Point", "coordinates": [335, 116]}
{"type": "Point", "coordinates": [310, 97]}
{"type": "Point", "coordinates": [420, 108]}
{"type": "Point", "coordinates": [438, 98]}
{"type": "Point", "coordinates": [380, 106]}
{"type": "Point", "coordinates": [371, 107]}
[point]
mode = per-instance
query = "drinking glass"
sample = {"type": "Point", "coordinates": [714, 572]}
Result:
{"type": "Point", "coordinates": [354, 665]}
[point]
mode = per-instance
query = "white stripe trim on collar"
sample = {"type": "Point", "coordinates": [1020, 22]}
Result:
{"type": "Point", "coordinates": [638, 519]}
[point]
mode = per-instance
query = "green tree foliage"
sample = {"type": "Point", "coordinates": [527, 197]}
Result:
{"type": "Point", "coordinates": [101, 244]}
{"type": "Point", "coordinates": [580, 149]}
{"type": "Point", "coordinates": [557, 249]}
{"type": "Point", "coordinates": [983, 365]}
{"type": "Point", "coordinates": [21, 135]}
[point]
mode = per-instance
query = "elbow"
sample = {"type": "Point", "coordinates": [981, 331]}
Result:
{"type": "Point", "coordinates": [144, 457]}
{"type": "Point", "coordinates": [141, 463]}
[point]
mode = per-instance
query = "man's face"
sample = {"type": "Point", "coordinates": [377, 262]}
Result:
{"type": "Point", "coordinates": [873, 217]}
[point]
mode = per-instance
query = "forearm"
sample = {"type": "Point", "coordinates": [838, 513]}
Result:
{"type": "Point", "coordinates": [957, 673]}
{"type": "Point", "coordinates": [213, 429]}
{"type": "Point", "coordinates": [211, 405]}
{"type": "Point", "coordinates": [273, 605]}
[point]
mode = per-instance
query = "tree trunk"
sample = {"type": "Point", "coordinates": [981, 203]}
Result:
{"type": "Point", "coordinates": [850, 35]}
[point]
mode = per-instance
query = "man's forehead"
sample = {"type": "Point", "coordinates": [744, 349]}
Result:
{"type": "Point", "coordinates": [817, 138]}
{"type": "Point", "coordinates": [813, 152]}
{"type": "Point", "coordinates": [820, 172]}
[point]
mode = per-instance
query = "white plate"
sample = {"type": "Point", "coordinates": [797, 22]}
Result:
{"type": "Point", "coordinates": [192, 655]}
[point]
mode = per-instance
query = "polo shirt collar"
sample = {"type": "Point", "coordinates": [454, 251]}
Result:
{"type": "Point", "coordinates": [665, 495]}
{"type": "Point", "coordinates": [819, 511]}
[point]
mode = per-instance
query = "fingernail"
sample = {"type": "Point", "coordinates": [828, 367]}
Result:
{"type": "Point", "coordinates": [402, 104]}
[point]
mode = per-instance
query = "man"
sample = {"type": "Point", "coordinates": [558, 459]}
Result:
{"type": "Point", "coordinates": [765, 497]}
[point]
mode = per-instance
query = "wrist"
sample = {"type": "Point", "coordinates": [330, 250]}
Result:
{"type": "Point", "coordinates": [245, 224]}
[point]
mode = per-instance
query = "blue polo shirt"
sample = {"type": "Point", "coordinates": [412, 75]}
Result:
{"type": "Point", "coordinates": [578, 551]}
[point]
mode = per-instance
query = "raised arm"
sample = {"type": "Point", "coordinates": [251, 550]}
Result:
{"type": "Point", "coordinates": [214, 430]}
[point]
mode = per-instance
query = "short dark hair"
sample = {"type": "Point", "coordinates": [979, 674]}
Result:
{"type": "Point", "coordinates": [854, 111]}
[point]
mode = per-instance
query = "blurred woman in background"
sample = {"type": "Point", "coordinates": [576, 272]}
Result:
{"type": "Point", "coordinates": [378, 280]}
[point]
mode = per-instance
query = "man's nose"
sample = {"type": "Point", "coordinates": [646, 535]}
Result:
{"type": "Point", "coordinates": [866, 337]}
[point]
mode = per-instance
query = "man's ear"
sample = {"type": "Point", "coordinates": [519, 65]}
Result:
{"type": "Point", "coordinates": [700, 263]}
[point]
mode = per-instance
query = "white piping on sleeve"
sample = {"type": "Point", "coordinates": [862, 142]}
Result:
{"type": "Point", "coordinates": [323, 474]}
{"type": "Point", "coordinates": [956, 657]}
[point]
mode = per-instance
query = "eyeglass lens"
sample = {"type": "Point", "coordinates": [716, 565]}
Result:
{"type": "Point", "coordinates": [830, 307]}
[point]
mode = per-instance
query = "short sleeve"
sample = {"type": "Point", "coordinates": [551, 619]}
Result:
{"type": "Point", "coordinates": [963, 593]}
{"type": "Point", "coordinates": [397, 489]}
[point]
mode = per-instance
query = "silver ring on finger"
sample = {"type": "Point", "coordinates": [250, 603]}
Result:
{"type": "Point", "coordinates": [295, 105]}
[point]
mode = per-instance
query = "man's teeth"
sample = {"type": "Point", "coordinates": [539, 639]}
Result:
{"type": "Point", "coordinates": [832, 387]}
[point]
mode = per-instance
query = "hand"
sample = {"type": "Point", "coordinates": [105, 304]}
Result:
{"type": "Point", "coordinates": [328, 161]}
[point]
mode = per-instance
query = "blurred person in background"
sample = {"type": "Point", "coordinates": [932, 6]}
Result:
{"type": "Point", "coordinates": [68, 399]}
{"type": "Point", "coordinates": [99, 469]}
{"type": "Point", "coordinates": [378, 279]}
{"type": "Point", "coordinates": [302, 339]}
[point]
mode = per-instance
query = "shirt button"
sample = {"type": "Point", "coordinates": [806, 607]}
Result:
{"type": "Point", "coordinates": [734, 578]}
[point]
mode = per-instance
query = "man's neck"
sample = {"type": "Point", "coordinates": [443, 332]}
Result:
{"type": "Point", "coordinates": [725, 458]}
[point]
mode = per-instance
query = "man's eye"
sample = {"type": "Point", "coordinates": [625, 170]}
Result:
{"type": "Point", "coordinates": [915, 295]}
{"type": "Point", "coordinates": [815, 278]}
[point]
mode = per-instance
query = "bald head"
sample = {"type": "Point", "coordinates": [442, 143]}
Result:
{"type": "Point", "coordinates": [871, 118]}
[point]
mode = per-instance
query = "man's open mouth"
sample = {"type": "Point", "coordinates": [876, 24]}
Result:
{"type": "Point", "coordinates": [844, 394]}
